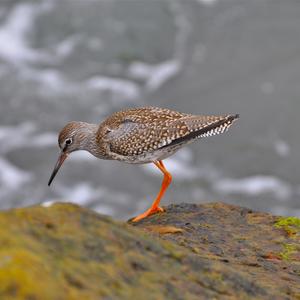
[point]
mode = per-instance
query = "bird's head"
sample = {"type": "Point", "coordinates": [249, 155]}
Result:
{"type": "Point", "coordinates": [74, 136]}
{"type": "Point", "coordinates": [71, 137]}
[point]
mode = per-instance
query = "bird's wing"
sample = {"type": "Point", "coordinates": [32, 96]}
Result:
{"type": "Point", "coordinates": [192, 127]}
{"type": "Point", "coordinates": [140, 131]}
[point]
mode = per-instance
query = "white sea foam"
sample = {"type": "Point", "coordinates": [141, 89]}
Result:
{"type": "Point", "coordinates": [140, 70]}
{"type": "Point", "coordinates": [282, 148]}
{"type": "Point", "coordinates": [86, 195]}
{"type": "Point", "coordinates": [208, 2]}
{"type": "Point", "coordinates": [81, 193]}
{"type": "Point", "coordinates": [56, 81]}
{"type": "Point", "coordinates": [48, 203]}
{"type": "Point", "coordinates": [120, 87]}
{"type": "Point", "coordinates": [16, 131]}
{"type": "Point", "coordinates": [105, 209]}
{"type": "Point", "coordinates": [49, 78]}
{"type": "Point", "coordinates": [180, 165]}
{"type": "Point", "coordinates": [66, 47]}
{"type": "Point", "coordinates": [13, 34]}
{"type": "Point", "coordinates": [15, 137]}
{"type": "Point", "coordinates": [100, 208]}
{"type": "Point", "coordinates": [12, 137]}
{"type": "Point", "coordinates": [11, 176]}
{"type": "Point", "coordinates": [180, 169]}
{"type": "Point", "coordinates": [254, 186]}
{"type": "Point", "coordinates": [44, 140]}
{"type": "Point", "coordinates": [154, 75]}
{"type": "Point", "coordinates": [82, 156]}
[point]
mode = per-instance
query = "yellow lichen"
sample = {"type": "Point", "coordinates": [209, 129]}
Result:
{"type": "Point", "coordinates": [289, 250]}
{"type": "Point", "coordinates": [291, 225]}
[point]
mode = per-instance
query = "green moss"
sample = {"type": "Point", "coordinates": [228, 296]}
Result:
{"type": "Point", "coordinates": [291, 225]}
{"type": "Point", "coordinates": [65, 252]}
{"type": "Point", "coordinates": [18, 282]}
{"type": "Point", "coordinates": [288, 221]}
{"type": "Point", "coordinates": [289, 250]}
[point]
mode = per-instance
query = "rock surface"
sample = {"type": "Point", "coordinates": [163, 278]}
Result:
{"type": "Point", "coordinates": [212, 251]}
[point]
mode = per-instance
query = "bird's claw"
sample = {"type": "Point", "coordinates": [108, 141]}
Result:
{"type": "Point", "coordinates": [148, 213]}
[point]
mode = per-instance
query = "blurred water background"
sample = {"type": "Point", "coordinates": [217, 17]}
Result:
{"type": "Point", "coordinates": [63, 60]}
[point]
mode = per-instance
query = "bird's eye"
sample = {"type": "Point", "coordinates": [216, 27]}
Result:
{"type": "Point", "coordinates": [68, 142]}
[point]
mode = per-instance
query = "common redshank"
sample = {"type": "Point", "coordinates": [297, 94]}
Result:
{"type": "Point", "coordinates": [139, 136]}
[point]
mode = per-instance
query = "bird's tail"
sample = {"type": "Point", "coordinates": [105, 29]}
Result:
{"type": "Point", "coordinates": [203, 126]}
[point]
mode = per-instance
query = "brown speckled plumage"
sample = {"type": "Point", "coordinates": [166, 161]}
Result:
{"type": "Point", "coordinates": [137, 133]}
{"type": "Point", "coordinates": [140, 135]}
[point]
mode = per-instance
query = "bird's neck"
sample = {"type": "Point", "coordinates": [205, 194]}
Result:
{"type": "Point", "coordinates": [88, 137]}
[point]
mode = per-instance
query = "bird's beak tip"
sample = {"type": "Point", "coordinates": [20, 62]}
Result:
{"type": "Point", "coordinates": [62, 157]}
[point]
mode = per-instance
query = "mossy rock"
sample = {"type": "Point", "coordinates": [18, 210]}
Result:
{"type": "Point", "coordinates": [68, 252]}
{"type": "Point", "coordinates": [264, 248]}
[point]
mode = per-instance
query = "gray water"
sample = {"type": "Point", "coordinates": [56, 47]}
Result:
{"type": "Point", "coordinates": [63, 60]}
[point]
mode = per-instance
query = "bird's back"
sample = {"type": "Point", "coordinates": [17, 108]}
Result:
{"type": "Point", "coordinates": [149, 130]}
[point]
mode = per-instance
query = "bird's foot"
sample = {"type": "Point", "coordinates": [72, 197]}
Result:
{"type": "Point", "coordinates": [147, 213]}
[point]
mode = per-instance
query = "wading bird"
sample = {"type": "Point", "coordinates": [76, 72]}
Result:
{"type": "Point", "coordinates": [139, 136]}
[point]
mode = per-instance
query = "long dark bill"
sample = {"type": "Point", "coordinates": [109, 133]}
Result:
{"type": "Point", "coordinates": [62, 157]}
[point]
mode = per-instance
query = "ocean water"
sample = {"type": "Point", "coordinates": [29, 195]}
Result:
{"type": "Point", "coordinates": [64, 60]}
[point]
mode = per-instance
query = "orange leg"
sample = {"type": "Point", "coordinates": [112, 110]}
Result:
{"type": "Point", "coordinates": [166, 182]}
